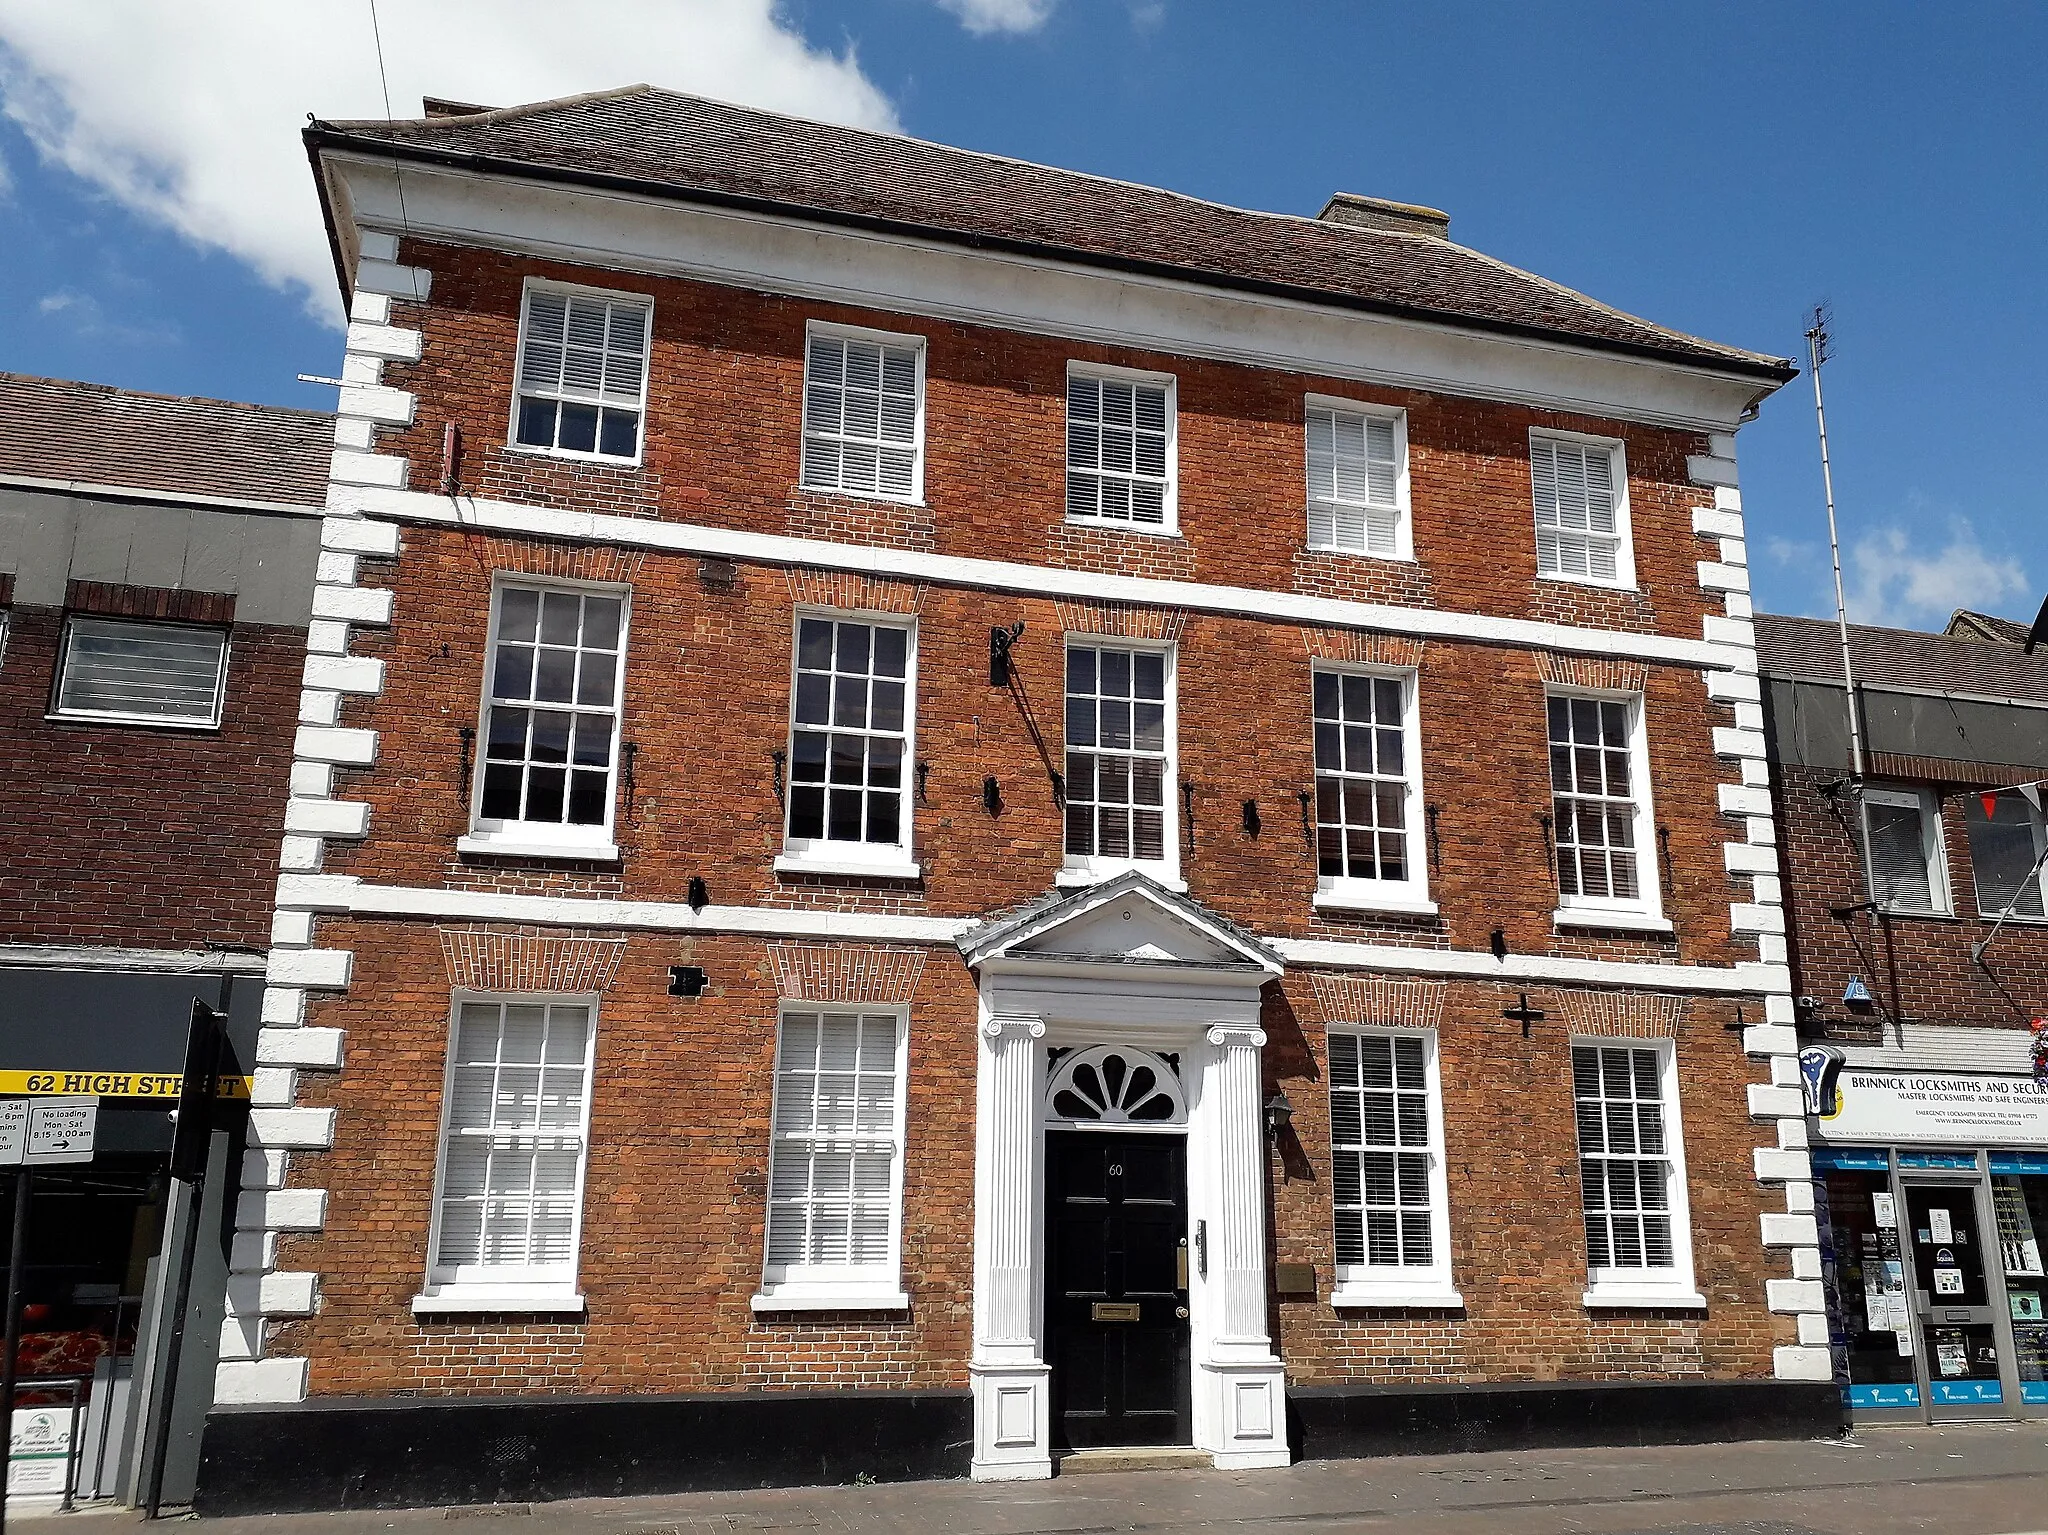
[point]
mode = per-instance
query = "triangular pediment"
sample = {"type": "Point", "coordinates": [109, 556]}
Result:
{"type": "Point", "coordinates": [1130, 919]}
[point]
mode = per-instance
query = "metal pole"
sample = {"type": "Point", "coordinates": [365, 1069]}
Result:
{"type": "Point", "coordinates": [1817, 347]}
{"type": "Point", "coordinates": [188, 1254]}
{"type": "Point", "coordinates": [17, 1260]}
{"type": "Point", "coordinates": [181, 1298]}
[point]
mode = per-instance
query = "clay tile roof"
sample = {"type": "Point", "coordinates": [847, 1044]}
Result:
{"type": "Point", "coordinates": [687, 147]}
{"type": "Point", "coordinates": [58, 429]}
{"type": "Point", "coordinates": [1905, 658]}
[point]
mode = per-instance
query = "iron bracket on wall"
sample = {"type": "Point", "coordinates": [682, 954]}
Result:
{"type": "Point", "coordinates": [468, 736]}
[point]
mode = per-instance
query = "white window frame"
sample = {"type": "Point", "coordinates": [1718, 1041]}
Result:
{"type": "Point", "coordinates": [545, 839]}
{"type": "Point", "coordinates": [1408, 896]}
{"type": "Point", "coordinates": [1613, 1287]}
{"type": "Point", "coordinates": [528, 1287]}
{"type": "Point", "coordinates": [1370, 1284]}
{"type": "Point", "coordinates": [830, 1286]}
{"type": "Point", "coordinates": [59, 711]}
{"type": "Point", "coordinates": [917, 345]}
{"type": "Point", "coordinates": [2036, 823]}
{"type": "Point", "coordinates": [1089, 869]}
{"type": "Point", "coordinates": [1168, 525]}
{"type": "Point", "coordinates": [1624, 529]}
{"type": "Point", "coordinates": [609, 295]}
{"type": "Point", "coordinates": [1933, 844]}
{"type": "Point", "coordinates": [1645, 914]}
{"type": "Point", "coordinates": [1404, 518]}
{"type": "Point", "coordinates": [823, 855]}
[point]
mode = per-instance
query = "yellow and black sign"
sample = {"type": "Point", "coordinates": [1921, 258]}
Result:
{"type": "Point", "coordinates": [111, 1084]}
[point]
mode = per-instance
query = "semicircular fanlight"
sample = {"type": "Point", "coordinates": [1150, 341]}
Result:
{"type": "Point", "coordinates": [1115, 1085]}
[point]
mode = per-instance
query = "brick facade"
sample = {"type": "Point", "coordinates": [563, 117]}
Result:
{"type": "Point", "coordinates": [675, 1201]}
{"type": "Point", "coordinates": [146, 839]}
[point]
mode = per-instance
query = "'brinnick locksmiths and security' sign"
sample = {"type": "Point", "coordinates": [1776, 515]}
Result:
{"type": "Point", "coordinates": [47, 1132]}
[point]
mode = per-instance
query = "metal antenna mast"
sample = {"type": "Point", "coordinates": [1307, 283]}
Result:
{"type": "Point", "coordinates": [1818, 342]}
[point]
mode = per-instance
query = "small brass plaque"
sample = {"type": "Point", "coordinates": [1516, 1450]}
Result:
{"type": "Point", "coordinates": [1113, 1311]}
{"type": "Point", "coordinates": [1294, 1278]}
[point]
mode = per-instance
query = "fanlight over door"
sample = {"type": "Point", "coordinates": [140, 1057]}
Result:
{"type": "Point", "coordinates": [1115, 1085]}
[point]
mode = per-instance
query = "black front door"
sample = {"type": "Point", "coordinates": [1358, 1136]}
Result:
{"type": "Point", "coordinates": [1116, 1305]}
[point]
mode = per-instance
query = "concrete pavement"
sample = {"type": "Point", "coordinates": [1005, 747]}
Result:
{"type": "Point", "coordinates": [1989, 1479]}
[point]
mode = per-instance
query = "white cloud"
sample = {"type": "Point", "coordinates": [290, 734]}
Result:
{"type": "Point", "coordinates": [1893, 579]}
{"type": "Point", "coordinates": [189, 113]}
{"type": "Point", "coordinates": [87, 318]}
{"type": "Point", "coordinates": [982, 17]}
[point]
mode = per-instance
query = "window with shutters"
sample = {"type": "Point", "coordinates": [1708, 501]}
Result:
{"type": "Point", "coordinates": [1387, 1169]}
{"type": "Point", "coordinates": [549, 749]}
{"type": "Point", "coordinates": [1368, 791]}
{"type": "Point", "coordinates": [1120, 449]}
{"type": "Point", "coordinates": [2006, 855]}
{"type": "Point", "coordinates": [1908, 867]}
{"type": "Point", "coordinates": [864, 413]}
{"type": "Point", "coordinates": [508, 1195]}
{"type": "Point", "coordinates": [1601, 824]}
{"type": "Point", "coordinates": [582, 372]}
{"type": "Point", "coordinates": [1119, 778]}
{"type": "Point", "coordinates": [1357, 479]}
{"type": "Point", "coordinates": [1631, 1172]}
{"type": "Point", "coordinates": [123, 671]}
{"type": "Point", "coordinates": [850, 752]}
{"type": "Point", "coordinates": [835, 1161]}
{"type": "Point", "coordinates": [1581, 490]}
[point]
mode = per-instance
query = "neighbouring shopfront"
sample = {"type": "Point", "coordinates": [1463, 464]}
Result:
{"type": "Point", "coordinates": [1931, 1192]}
{"type": "Point", "coordinates": [105, 1237]}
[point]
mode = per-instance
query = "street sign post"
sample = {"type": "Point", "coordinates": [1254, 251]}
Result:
{"type": "Point", "coordinates": [60, 1131]}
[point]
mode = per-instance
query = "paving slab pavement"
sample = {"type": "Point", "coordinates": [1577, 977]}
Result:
{"type": "Point", "coordinates": [1980, 1479]}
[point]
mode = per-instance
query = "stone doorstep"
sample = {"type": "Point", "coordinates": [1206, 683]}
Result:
{"type": "Point", "coordinates": [1136, 1458]}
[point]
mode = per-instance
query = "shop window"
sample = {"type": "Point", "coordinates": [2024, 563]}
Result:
{"type": "Point", "coordinates": [1870, 1283]}
{"type": "Point", "coordinates": [2020, 1201]}
{"type": "Point", "coordinates": [1387, 1170]}
{"type": "Point", "coordinates": [508, 1201]}
{"type": "Point", "coordinates": [835, 1163]}
{"type": "Point", "coordinates": [1632, 1174]}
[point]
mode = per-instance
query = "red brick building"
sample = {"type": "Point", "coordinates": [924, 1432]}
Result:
{"type": "Point", "coordinates": [965, 811]}
{"type": "Point", "coordinates": [157, 561]}
{"type": "Point", "coordinates": [1914, 847]}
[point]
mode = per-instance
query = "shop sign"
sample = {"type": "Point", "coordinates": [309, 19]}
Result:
{"type": "Point", "coordinates": [1891, 1107]}
{"type": "Point", "coordinates": [113, 1084]}
{"type": "Point", "coordinates": [39, 1451]}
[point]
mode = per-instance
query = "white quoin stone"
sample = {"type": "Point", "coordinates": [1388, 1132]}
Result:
{"type": "Point", "coordinates": [292, 1129]}
{"type": "Point", "coordinates": [345, 674]}
{"type": "Point", "coordinates": [330, 743]}
{"type": "Point", "coordinates": [1795, 1295]}
{"type": "Point", "coordinates": [1801, 1362]}
{"type": "Point", "coordinates": [241, 1382]}
{"type": "Point", "coordinates": [353, 468]}
{"type": "Point", "coordinates": [1776, 1166]}
{"type": "Point", "coordinates": [1789, 1230]}
{"type": "Point", "coordinates": [323, 969]}
{"type": "Point", "coordinates": [360, 536]}
{"type": "Point", "coordinates": [281, 1210]}
{"type": "Point", "coordinates": [352, 604]}
{"type": "Point", "coordinates": [319, 1049]}
{"type": "Point", "coordinates": [396, 342]}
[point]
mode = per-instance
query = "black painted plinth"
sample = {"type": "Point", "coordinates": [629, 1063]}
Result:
{"type": "Point", "coordinates": [1342, 1422]}
{"type": "Point", "coordinates": [409, 1452]}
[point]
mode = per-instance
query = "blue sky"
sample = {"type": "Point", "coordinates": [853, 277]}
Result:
{"type": "Point", "coordinates": [1715, 168]}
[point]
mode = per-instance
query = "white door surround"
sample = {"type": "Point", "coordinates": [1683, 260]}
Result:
{"type": "Point", "coordinates": [1122, 962]}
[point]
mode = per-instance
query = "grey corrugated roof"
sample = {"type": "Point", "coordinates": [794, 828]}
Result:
{"type": "Point", "coordinates": [65, 430]}
{"type": "Point", "coordinates": [1906, 658]}
{"type": "Point", "coordinates": [689, 147]}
